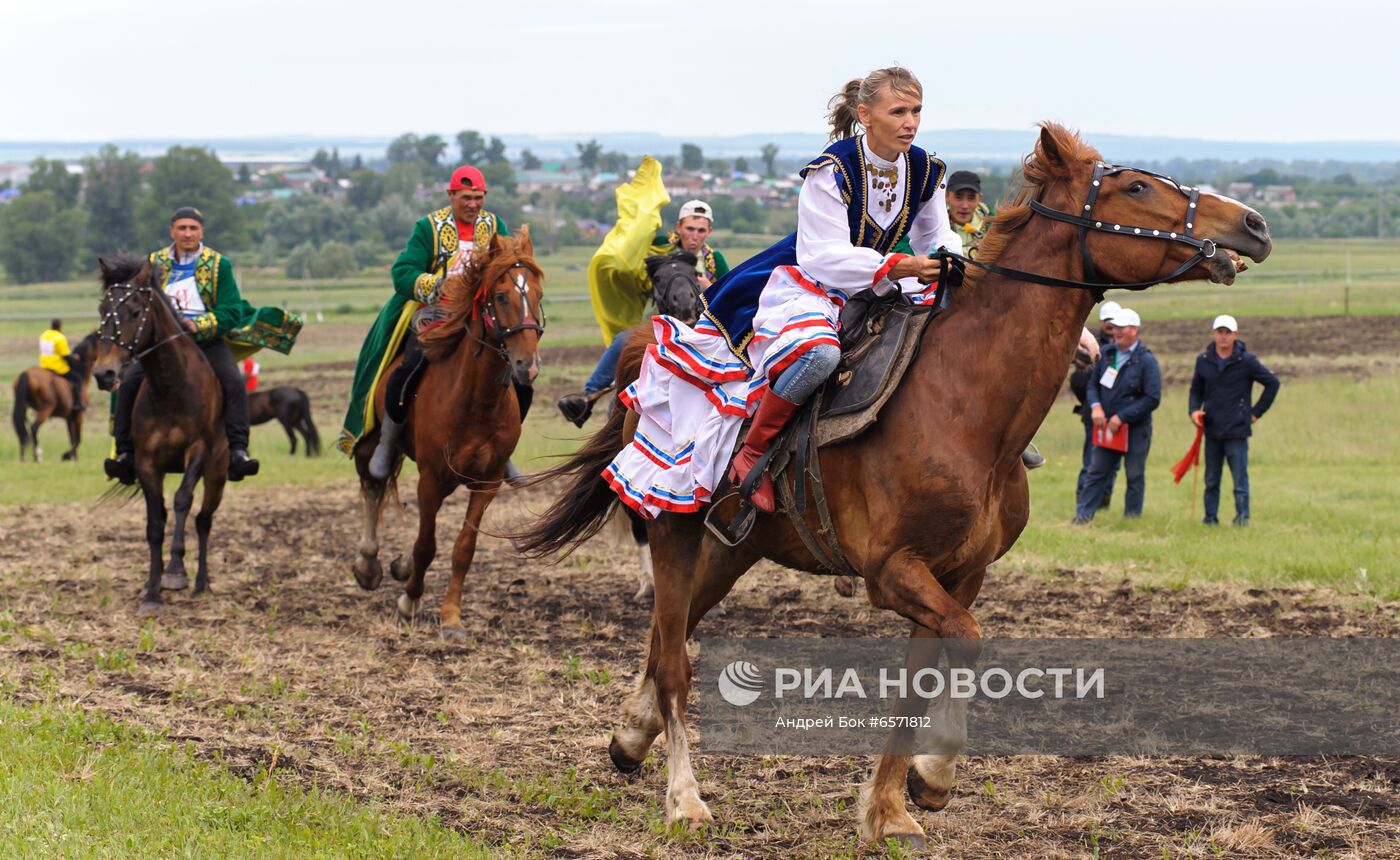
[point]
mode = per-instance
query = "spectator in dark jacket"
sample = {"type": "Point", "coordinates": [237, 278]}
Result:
{"type": "Point", "coordinates": [1220, 393]}
{"type": "Point", "coordinates": [1122, 392]}
{"type": "Point", "coordinates": [1078, 385]}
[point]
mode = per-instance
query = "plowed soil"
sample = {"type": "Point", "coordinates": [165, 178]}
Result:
{"type": "Point", "coordinates": [289, 667]}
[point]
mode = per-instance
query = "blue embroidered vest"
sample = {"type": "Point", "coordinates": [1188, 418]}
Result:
{"type": "Point", "coordinates": [733, 300]}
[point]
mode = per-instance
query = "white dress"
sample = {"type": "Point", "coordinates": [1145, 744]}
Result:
{"type": "Point", "coordinates": [694, 393]}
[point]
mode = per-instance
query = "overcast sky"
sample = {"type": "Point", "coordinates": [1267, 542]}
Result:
{"type": "Point", "coordinates": [1231, 69]}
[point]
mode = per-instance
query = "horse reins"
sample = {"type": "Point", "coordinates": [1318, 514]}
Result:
{"type": "Point", "coordinates": [112, 317]}
{"type": "Point", "coordinates": [1205, 249]}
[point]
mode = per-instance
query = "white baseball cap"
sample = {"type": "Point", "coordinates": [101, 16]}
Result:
{"type": "Point", "coordinates": [1108, 309]}
{"type": "Point", "coordinates": [697, 209]}
{"type": "Point", "coordinates": [1225, 321]}
{"type": "Point", "coordinates": [1125, 317]}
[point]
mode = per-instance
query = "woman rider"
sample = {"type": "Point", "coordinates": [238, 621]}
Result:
{"type": "Point", "coordinates": [768, 334]}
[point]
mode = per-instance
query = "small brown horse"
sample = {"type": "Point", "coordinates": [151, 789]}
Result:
{"type": "Point", "coordinates": [51, 396]}
{"type": "Point", "coordinates": [935, 491]}
{"type": "Point", "coordinates": [464, 420]}
{"type": "Point", "coordinates": [177, 422]}
{"type": "Point", "coordinates": [292, 409]}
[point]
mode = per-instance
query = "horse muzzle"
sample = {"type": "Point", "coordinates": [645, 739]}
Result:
{"type": "Point", "coordinates": [1250, 238]}
{"type": "Point", "coordinates": [106, 379]}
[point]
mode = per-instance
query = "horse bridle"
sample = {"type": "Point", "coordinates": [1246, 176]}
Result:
{"type": "Point", "coordinates": [1205, 249]}
{"type": "Point", "coordinates": [112, 317]}
{"type": "Point", "coordinates": [529, 321]}
{"type": "Point", "coordinates": [664, 282]}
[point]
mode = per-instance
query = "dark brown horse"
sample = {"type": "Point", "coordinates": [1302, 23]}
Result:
{"type": "Point", "coordinates": [51, 396]}
{"type": "Point", "coordinates": [292, 409]}
{"type": "Point", "coordinates": [464, 420]}
{"type": "Point", "coordinates": [177, 422]}
{"type": "Point", "coordinates": [934, 492]}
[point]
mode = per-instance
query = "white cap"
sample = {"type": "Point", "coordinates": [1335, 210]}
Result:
{"type": "Point", "coordinates": [1225, 321]}
{"type": "Point", "coordinates": [1125, 317]}
{"type": "Point", "coordinates": [1108, 309]}
{"type": "Point", "coordinates": [696, 209]}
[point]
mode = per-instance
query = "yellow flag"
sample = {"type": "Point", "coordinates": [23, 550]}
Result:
{"type": "Point", "coordinates": [617, 275]}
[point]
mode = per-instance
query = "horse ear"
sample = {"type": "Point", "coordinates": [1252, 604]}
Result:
{"type": "Point", "coordinates": [527, 247]}
{"type": "Point", "coordinates": [102, 264]}
{"type": "Point", "coordinates": [1048, 149]}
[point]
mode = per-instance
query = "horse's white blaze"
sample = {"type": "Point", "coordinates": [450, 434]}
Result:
{"type": "Point", "coordinates": [683, 801]}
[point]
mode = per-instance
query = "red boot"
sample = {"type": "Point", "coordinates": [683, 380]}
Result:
{"type": "Point", "coordinates": [772, 415]}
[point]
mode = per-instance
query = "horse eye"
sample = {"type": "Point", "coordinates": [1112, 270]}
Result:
{"type": "Point", "coordinates": [1137, 187]}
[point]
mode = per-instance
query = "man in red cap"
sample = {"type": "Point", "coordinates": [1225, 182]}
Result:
{"type": "Point", "coordinates": [442, 244]}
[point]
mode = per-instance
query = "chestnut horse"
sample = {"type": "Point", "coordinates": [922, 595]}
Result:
{"type": "Point", "coordinates": [934, 492]}
{"type": "Point", "coordinates": [177, 422]}
{"type": "Point", "coordinates": [51, 396]}
{"type": "Point", "coordinates": [464, 420]}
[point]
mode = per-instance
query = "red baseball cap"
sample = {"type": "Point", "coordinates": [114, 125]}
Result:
{"type": "Point", "coordinates": [467, 176]}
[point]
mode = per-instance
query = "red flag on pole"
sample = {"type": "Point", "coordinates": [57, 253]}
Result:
{"type": "Point", "coordinates": [1192, 458]}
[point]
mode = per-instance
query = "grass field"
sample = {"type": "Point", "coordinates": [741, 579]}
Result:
{"type": "Point", "coordinates": [1324, 474]}
{"type": "Point", "coordinates": [75, 784]}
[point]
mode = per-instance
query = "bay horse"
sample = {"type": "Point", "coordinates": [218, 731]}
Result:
{"type": "Point", "coordinates": [934, 492]}
{"type": "Point", "coordinates": [464, 421]}
{"type": "Point", "coordinates": [51, 396]}
{"type": "Point", "coordinates": [177, 422]}
{"type": "Point", "coordinates": [292, 409]}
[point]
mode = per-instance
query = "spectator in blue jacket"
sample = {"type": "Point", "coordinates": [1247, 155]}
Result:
{"type": "Point", "coordinates": [1220, 393]}
{"type": "Point", "coordinates": [1079, 387]}
{"type": "Point", "coordinates": [1122, 392]}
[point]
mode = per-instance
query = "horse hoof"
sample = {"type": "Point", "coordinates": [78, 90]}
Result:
{"type": "Point", "coordinates": [407, 607]}
{"type": "Point", "coordinates": [924, 795]}
{"type": "Point", "coordinates": [644, 594]}
{"type": "Point", "coordinates": [846, 586]}
{"type": "Point", "coordinates": [620, 759]}
{"type": "Point", "coordinates": [174, 582]}
{"type": "Point", "coordinates": [368, 572]}
{"type": "Point", "coordinates": [400, 569]}
{"type": "Point", "coordinates": [69, 455]}
{"type": "Point", "coordinates": [455, 634]}
{"type": "Point", "coordinates": [910, 842]}
{"type": "Point", "coordinates": [150, 607]}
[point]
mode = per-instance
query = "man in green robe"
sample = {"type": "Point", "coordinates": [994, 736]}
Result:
{"type": "Point", "coordinates": [200, 283]}
{"type": "Point", "coordinates": [443, 243]}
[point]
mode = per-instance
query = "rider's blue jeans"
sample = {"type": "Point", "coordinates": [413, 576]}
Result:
{"type": "Point", "coordinates": [810, 370]}
{"type": "Point", "coordinates": [606, 370]}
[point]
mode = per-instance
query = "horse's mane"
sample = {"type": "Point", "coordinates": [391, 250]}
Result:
{"type": "Point", "coordinates": [121, 269]}
{"type": "Point", "coordinates": [461, 295]}
{"type": "Point", "coordinates": [1037, 173]}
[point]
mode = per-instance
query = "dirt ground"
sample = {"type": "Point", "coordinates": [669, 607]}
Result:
{"type": "Point", "coordinates": [291, 667]}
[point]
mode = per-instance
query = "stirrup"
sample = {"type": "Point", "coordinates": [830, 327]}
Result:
{"type": "Point", "coordinates": [738, 529]}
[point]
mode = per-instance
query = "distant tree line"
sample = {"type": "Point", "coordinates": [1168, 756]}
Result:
{"type": "Point", "coordinates": [64, 220]}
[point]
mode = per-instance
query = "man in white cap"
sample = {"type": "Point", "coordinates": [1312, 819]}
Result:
{"type": "Point", "coordinates": [1220, 394]}
{"type": "Point", "coordinates": [1078, 385]}
{"type": "Point", "coordinates": [693, 227]}
{"type": "Point", "coordinates": [1123, 391]}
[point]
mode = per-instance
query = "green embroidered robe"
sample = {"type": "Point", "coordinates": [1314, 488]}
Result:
{"type": "Point", "coordinates": [227, 315]}
{"type": "Point", "coordinates": [423, 260]}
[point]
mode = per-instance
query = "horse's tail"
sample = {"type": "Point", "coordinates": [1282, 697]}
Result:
{"type": "Point", "coordinates": [20, 410]}
{"type": "Point", "coordinates": [308, 427]}
{"type": "Point", "coordinates": [587, 501]}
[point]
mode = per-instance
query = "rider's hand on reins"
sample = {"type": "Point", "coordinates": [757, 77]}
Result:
{"type": "Point", "coordinates": [924, 268]}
